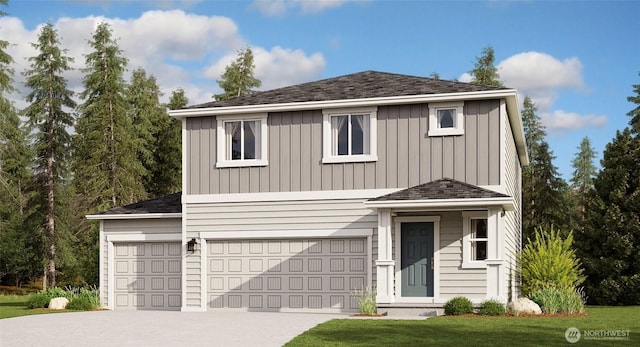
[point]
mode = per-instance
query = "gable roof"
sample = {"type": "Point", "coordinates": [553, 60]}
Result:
{"type": "Point", "coordinates": [445, 188]}
{"type": "Point", "coordinates": [361, 85]}
{"type": "Point", "coordinates": [160, 207]}
{"type": "Point", "coordinates": [442, 193]}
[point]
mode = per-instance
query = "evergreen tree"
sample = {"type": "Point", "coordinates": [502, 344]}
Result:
{"type": "Point", "coordinates": [238, 79]}
{"type": "Point", "coordinates": [582, 180]}
{"type": "Point", "coordinates": [20, 251]}
{"type": "Point", "coordinates": [543, 197]}
{"type": "Point", "coordinates": [635, 113]}
{"type": "Point", "coordinates": [106, 166]}
{"type": "Point", "coordinates": [168, 171]}
{"type": "Point", "coordinates": [147, 114]}
{"type": "Point", "coordinates": [610, 245]}
{"type": "Point", "coordinates": [484, 72]}
{"type": "Point", "coordinates": [48, 114]}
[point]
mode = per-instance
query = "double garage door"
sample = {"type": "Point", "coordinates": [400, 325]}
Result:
{"type": "Point", "coordinates": [285, 275]}
{"type": "Point", "coordinates": [147, 276]}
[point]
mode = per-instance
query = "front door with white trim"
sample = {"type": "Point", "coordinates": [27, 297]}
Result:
{"type": "Point", "coordinates": [417, 260]}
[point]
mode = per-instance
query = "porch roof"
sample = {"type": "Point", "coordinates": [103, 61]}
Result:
{"type": "Point", "coordinates": [443, 193]}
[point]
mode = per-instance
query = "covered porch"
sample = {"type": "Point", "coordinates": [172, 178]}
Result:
{"type": "Point", "coordinates": [439, 240]}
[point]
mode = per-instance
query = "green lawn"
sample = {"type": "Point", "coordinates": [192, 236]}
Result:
{"type": "Point", "coordinates": [474, 330]}
{"type": "Point", "coordinates": [16, 306]}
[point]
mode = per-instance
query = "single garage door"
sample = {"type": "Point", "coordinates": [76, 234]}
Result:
{"type": "Point", "coordinates": [148, 276]}
{"type": "Point", "coordinates": [285, 275]}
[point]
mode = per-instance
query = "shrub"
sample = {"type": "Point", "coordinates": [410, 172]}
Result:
{"type": "Point", "coordinates": [492, 308]}
{"type": "Point", "coordinates": [553, 300]}
{"type": "Point", "coordinates": [83, 299]}
{"type": "Point", "coordinates": [41, 299]}
{"type": "Point", "coordinates": [549, 261]}
{"type": "Point", "coordinates": [458, 305]}
{"type": "Point", "coordinates": [366, 300]}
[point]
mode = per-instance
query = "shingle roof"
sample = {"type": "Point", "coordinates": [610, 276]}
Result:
{"type": "Point", "coordinates": [361, 85]}
{"type": "Point", "coordinates": [445, 188]}
{"type": "Point", "coordinates": [171, 203]}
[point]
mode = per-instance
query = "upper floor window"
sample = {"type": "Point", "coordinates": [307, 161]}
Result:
{"type": "Point", "coordinates": [349, 135]}
{"type": "Point", "coordinates": [242, 141]}
{"type": "Point", "coordinates": [446, 119]}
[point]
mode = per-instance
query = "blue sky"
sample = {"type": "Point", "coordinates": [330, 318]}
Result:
{"type": "Point", "coordinates": [577, 60]}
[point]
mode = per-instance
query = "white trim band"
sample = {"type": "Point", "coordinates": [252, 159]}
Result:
{"type": "Point", "coordinates": [506, 203]}
{"type": "Point", "coordinates": [144, 237]}
{"type": "Point", "coordinates": [288, 196]}
{"type": "Point", "coordinates": [285, 234]}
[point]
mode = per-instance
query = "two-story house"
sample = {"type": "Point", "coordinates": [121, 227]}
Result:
{"type": "Point", "coordinates": [296, 197]}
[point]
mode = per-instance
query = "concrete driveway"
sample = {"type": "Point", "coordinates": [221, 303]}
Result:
{"type": "Point", "coordinates": [151, 328]}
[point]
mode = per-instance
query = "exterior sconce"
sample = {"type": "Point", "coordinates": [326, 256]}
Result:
{"type": "Point", "coordinates": [191, 245]}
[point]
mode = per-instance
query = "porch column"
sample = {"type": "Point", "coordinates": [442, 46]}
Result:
{"type": "Point", "coordinates": [496, 283]}
{"type": "Point", "coordinates": [384, 263]}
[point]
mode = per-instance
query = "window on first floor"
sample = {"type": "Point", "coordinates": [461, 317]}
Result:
{"type": "Point", "coordinates": [349, 135]}
{"type": "Point", "coordinates": [475, 240]}
{"type": "Point", "coordinates": [242, 141]}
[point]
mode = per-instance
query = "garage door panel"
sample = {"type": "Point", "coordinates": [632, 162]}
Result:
{"type": "Point", "coordinates": [148, 276]}
{"type": "Point", "coordinates": [287, 275]}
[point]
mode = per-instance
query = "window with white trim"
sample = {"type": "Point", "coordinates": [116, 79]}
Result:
{"type": "Point", "coordinates": [475, 240]}
{"type": "Point", "coordinates": [446, 119]}
{"type": "Point", "coordinates": [349, 135]}
{"type": "Point", "coordinates": [242, 141]}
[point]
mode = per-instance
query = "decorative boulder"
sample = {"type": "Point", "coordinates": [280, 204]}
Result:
{"type": "Point", "coordinates": [524, 305]}
{"type": "Point", "coordinates": [58, 303]}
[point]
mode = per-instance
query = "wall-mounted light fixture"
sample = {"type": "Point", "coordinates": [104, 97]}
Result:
{"type": "Point", "coordinates": [191, 245]}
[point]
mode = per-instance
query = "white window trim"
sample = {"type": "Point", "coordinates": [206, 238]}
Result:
{"type": "Point", "coordinates": [327, 157]}
{"type": "Point", "coordinates": [221, 145]}
{"type": "Point", "coordinates": [435, 130]}
{"type": "Point", "coordinates": [467, 216]}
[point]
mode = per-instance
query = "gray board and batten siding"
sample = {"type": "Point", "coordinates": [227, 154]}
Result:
{"type": "Point", "coordinates": [406, 155]}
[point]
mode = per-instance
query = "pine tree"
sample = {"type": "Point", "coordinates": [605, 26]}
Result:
{"type": "Point", "coordinates": [238, 79]}
{"type": "Point", "coordinates": [582, 180]}
{"type": "Point", "coordinates": [148, 116]}
{"type": "Point", "coordinates": [20, 250]}
{"type": "Point", "coordinates": [169, 150]}
{"type": "Point", "coordinates": [610, 245]}
{"type": "Point", "coordinates": [49, 116]}
{"type": "Point", "coordinates": [107, 170]}
{"type": "Point", "coordinates": [484, 72]}
{"type": "Point", "coordinates": [543, 191]}
{"type": "Point", "coordinates": [635, 113]}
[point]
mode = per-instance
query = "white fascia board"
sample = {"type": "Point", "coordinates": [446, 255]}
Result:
{"type": "Point", "coordinates": [513, 111]}
{"type": "Point", "coordinates": [288, 196]}
{"type": "Point", "coordinates": [506, 203]}
{"type": "Point", "coordinates": [314, 105]}
{"type": "Point", "coordinates": [134, 216]}
{"type": "Point", "coordinates": [285, 234]}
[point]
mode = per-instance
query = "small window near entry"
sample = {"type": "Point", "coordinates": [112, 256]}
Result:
{"type": "Point", "coordinates": [478, 239]}
{"type": "Point", "coordinates": [242, 142]}
{"type": "Point", "coordinates": [446, 119]}
{"type": "Point", "coordinates": [475, 239]}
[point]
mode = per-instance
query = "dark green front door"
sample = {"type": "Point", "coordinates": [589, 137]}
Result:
{"type": "Point", "coordinates": [416, 248]}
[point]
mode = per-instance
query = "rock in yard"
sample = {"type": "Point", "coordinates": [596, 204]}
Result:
{"type": "Point", "coordinates": [524, 305]}
{"type": "Point", "coordinates": [58, 303]}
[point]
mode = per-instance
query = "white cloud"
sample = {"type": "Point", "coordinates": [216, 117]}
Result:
{"type": "Point", "coordinates": [171, 45]}
{"type": "Point", "coordinates": [559, 120]}
{"type": "Point", "coordinates": [280, 7]}
{"type": "Point", "coordinates": [541, 76]}
{"type": "Point", "coordinates": [276, 68]}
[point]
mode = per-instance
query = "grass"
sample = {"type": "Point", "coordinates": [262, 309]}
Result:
{"type": "Point", "coordinates": [16, 306]}
{"type": "Point", "coordinates": [474, 330]}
